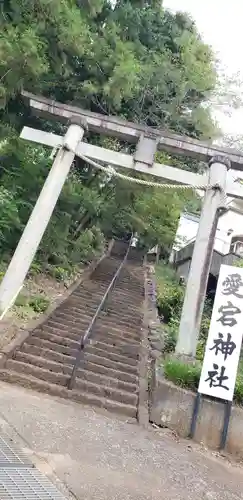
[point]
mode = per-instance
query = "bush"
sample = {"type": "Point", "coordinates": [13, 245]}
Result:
{"type": "Point", "coordinates": [170, 335]}
{"type": "Point", "coordinates": [39, 303]}
{"type": "Point", "coordinates": [169, 293]}
{"type": "Point", "coordinates": [200, 349]}
{"type": "Point", "coordinates": [206, 318]}
{"type": "Point", "coordinates": [3, 267]}
{"type": "Point", "coordinates": [169, 302]}
{"type": "Point", "coordinates": [35, 269]}
{"type": "Point", "coordinates": [238, 394]}
{"type": "Point", "coordinates": [60, 273]}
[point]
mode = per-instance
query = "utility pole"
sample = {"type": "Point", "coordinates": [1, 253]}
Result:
{"type": "Point", "coordinates": [201, 259]}
{"type": "Point", "coordinates": [39, 218]}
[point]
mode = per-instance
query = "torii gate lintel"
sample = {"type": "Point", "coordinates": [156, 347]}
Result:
{"type": "Point", "coordinates": [131, 132]}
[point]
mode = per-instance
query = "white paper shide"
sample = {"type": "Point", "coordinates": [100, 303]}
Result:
{"type": "Point", "coordinates": [223, 346]}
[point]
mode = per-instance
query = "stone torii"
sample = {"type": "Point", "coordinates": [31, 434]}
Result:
{"type": "Point", "coordinates": [147, 141]}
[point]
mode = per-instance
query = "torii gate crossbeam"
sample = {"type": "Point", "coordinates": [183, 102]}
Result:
{"type": "Point", "coordinates": [131, 132]}
{"type": "Point", "coordinates": [147, 142]}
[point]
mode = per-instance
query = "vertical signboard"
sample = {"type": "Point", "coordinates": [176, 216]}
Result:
{"type": "Point", "coordinates": [223, 346]}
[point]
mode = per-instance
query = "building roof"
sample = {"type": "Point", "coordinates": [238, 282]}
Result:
{"type": "Point", "coordinates": [192, 217]}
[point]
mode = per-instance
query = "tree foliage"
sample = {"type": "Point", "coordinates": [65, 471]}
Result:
{"type": "Point", "coordinates": [133, 59]}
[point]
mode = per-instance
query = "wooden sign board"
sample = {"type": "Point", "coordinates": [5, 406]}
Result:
{"type": "Point", "coordinates": [223, 346]}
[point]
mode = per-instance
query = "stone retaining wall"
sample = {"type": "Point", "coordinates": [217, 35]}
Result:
{"type": "Point", "coordinates": [172, 407]}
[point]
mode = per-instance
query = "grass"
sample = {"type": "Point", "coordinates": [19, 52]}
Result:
{"type": "Point", "coordinates": [36, 303]}
{"type": "Point", "coordinates": [165, 274]}
{"type": "Point", "coordinates": [187, 375]}
{"type": "Point", "coordinates": [182, 374]}
{"type": "Point", "coordinates": [169, 293]}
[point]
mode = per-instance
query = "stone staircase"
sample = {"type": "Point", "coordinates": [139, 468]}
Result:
{"type": "Point", "coordinates": [108, 377]}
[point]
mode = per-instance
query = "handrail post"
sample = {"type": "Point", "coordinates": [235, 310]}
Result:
{"type": "Point", "coordinates": [75, 366]}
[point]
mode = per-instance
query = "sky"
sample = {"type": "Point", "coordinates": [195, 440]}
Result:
{"type": "Point", "coordinates": [220, 23]}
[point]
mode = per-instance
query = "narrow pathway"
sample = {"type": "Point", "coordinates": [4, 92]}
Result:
{"type": "Point", "coordinates": [100, 457]}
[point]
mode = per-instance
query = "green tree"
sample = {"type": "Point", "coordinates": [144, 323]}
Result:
{"type": "Point", "coordinates": [133, 59]}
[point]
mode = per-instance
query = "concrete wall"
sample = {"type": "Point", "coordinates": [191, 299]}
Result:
{"type": "Point", "coordinates": [172, 407]}
{"type": "Point", "coordinates": [183, 269]}
{"type": "Point", "coordinates": [186, 231]}
{"type": "Point", "coordinates": [231, 220]}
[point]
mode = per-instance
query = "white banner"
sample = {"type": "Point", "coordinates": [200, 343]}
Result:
{"type": "Point", "coordinates": [223, 346]}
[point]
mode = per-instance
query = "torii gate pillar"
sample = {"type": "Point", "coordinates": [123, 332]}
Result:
{"type": "Point", "coordinates": [29, 242]}
{"type": "Point", "coordinates": [201, 259]}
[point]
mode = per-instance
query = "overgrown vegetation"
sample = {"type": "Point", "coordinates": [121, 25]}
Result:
{"type": "Point", "coordinates": [182, 374]}
{"type": "Point", "coordinates": [132, 59]}
{"type": "Point", "coordinates": [187, 375]}
{"type": "Point", "coordinates": [38, 303]}
{"type": "Point", "coordinates": [170, 295]}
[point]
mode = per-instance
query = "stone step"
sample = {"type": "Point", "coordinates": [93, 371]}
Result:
{"type": "Point", "coordinates": [33, 340]}
{"type": "Point", "coordinates": [110, 372]}
{"type": "Point", "coordinates": [128, 281]}
{"type": "Point", "coordinates": [80, 384]}
{"type": "Point", "coordinates": [42, 343]}
{"type": "Point", "coordinates": [120, 358]}
{"type": "Point", "coordinates": [75, 318]}
{"type": "Point", "coordinates": [84, 398]}
{"type": "Point", "coordinates": [101, 325]}
{"type": "Point", "coordinates": [104, 341]}
{"type": "Point", "coordinates": [107, 391]}
{"type": "Point", "coordinates": [127, 335]}
{"type": "Point", "coordinates": [70, 320]}
{"type": "Point", "coordinates": [90, 348]}
{"type": "Point", "coordinates": [81, 306]}
{"type": "Point", "coordinates": [127, 287]}
{"type": "Point", "coordinates": [113, 304]}
{"type": "Point", "coordinates": [49, 354]}
{"type": "Point", "coordinates": [124, 297]}
{"type": "Point", "coordinates": [78, 318]}
{"type": "Point", "coordinates": [87, 291]}
{"type": "Point", "coordinates": [105, 380]}
{"type": "Point", "coordinates": [125, 273]}
{"type": "Point", "coordinates": [77, 303]}
{"type": "Point", "coordinates": [57, 378]}
{"type": "Point", "coordinates": [129, 351]}
{"type": "Point", "coordinates": [125, 310]}
{"type": "Point", "coordinates": [62, 359]}
{"type": "Point", "coordinates": [123, 332]}
{"type": "Point", "coordinates": [124, 324]}
{"type": "Point", "coordinates": [59, 340]}
{"type": "Point", "coordinates": [77, 329]}
{"type": "Point", "coordinates": [99, 332]}
{"type": "Point", "coordinates": [129, 318]}
{"type": "Point", "coordinates": [109, 363]}
{"type": "Point", "coordinates": [78, 314]}
{"type": "Point", "coordinates": [112, 381]}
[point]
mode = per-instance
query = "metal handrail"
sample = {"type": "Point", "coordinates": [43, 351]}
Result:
{"type": "Point", "coordinates": [86, 337]}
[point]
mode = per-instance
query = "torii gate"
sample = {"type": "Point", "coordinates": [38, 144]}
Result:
{"type": "Point", "coordinates": [147, 142]}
